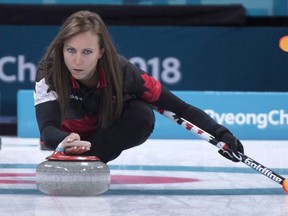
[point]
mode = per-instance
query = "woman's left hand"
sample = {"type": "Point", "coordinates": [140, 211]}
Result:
{"type": "Point", "coordinates": [235, 146]}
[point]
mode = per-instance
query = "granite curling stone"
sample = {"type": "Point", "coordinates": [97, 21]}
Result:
{"type": "Point", "coordinates": [64, 175]}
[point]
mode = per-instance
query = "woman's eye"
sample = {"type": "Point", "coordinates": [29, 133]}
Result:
{"type": "Point", "coordinates": [70, 50]}
{"type": "Point", "coordinates": [87, 52]}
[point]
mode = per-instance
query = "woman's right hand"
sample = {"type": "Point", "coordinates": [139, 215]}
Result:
{"type": "Point", "coordinates": [74, 150]}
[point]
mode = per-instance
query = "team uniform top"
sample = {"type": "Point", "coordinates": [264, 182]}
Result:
{"type": "Point", "coordinates": [83, 111]}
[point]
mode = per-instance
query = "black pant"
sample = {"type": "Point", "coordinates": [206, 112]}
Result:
{"type": "Point", "coordinates": [132, 129]}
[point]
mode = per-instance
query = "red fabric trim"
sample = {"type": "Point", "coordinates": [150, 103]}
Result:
{"type": "Point", "coordinates": [84, 126]}
{"type": "Point", "coordinates": [75, 85]}
{"type": "Point", "coordinates": [153, 86]}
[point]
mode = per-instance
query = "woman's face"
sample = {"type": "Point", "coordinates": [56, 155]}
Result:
{"type": "Point", "coordinates": [81, 54]}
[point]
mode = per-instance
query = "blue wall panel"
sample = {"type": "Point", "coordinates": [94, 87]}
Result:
{"type": "Point", "coordinates": [182, 58]}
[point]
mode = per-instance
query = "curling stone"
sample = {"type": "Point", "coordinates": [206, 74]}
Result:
{"type": "Point", "coordinates": [64, 175]}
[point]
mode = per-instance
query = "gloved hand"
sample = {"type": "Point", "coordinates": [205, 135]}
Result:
{"type": "Point", "coordinates": [235, 146]}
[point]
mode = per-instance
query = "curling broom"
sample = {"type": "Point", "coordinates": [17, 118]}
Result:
{"type": "Point", "coordinates": [208, 137]}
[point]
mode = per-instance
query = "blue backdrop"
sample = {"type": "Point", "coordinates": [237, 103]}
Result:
{"type": "Point", "coordinates": [182, 58]}
{"type": "Point", "coordinates": [248, 115]}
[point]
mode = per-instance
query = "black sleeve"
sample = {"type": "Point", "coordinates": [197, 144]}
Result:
{"type": "Point", "coordinates": [147, 88]}
{"type": "Point", "coordinates": [133, 82]}
{"type": "Point", "coordinates": [171, 102]}
{"type": "Point", "coordinates": [49, 122]}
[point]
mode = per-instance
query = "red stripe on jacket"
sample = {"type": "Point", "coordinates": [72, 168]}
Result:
{"type": "Point", "coordinates": [153, 86]}
{"type": "Point", "coordinates": [84, 127]}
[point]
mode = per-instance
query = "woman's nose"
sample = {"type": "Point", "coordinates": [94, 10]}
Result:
{"type": "Point", "coordinates": [78, 60]}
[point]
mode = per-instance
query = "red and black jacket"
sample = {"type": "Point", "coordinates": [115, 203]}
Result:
{"type": "Point", "coordinates": [83, 111]}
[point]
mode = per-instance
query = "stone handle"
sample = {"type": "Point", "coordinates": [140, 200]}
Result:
{"type": "Point", "coordinates": [78, 143]}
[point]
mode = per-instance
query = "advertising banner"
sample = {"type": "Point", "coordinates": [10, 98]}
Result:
{"type": "Point", "coordinates": [182, 58]}
{"type": "Point", "coordinates": [248, 115]}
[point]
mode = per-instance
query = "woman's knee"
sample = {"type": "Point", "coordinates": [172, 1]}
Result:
{"type": "Point", "coordinates": [141, 117]}
{"type": "Point", "coordinates": [132, 129]}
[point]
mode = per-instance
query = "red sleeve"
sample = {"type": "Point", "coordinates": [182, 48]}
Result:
{"type": "Point", "coordinates": [153, 88]}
